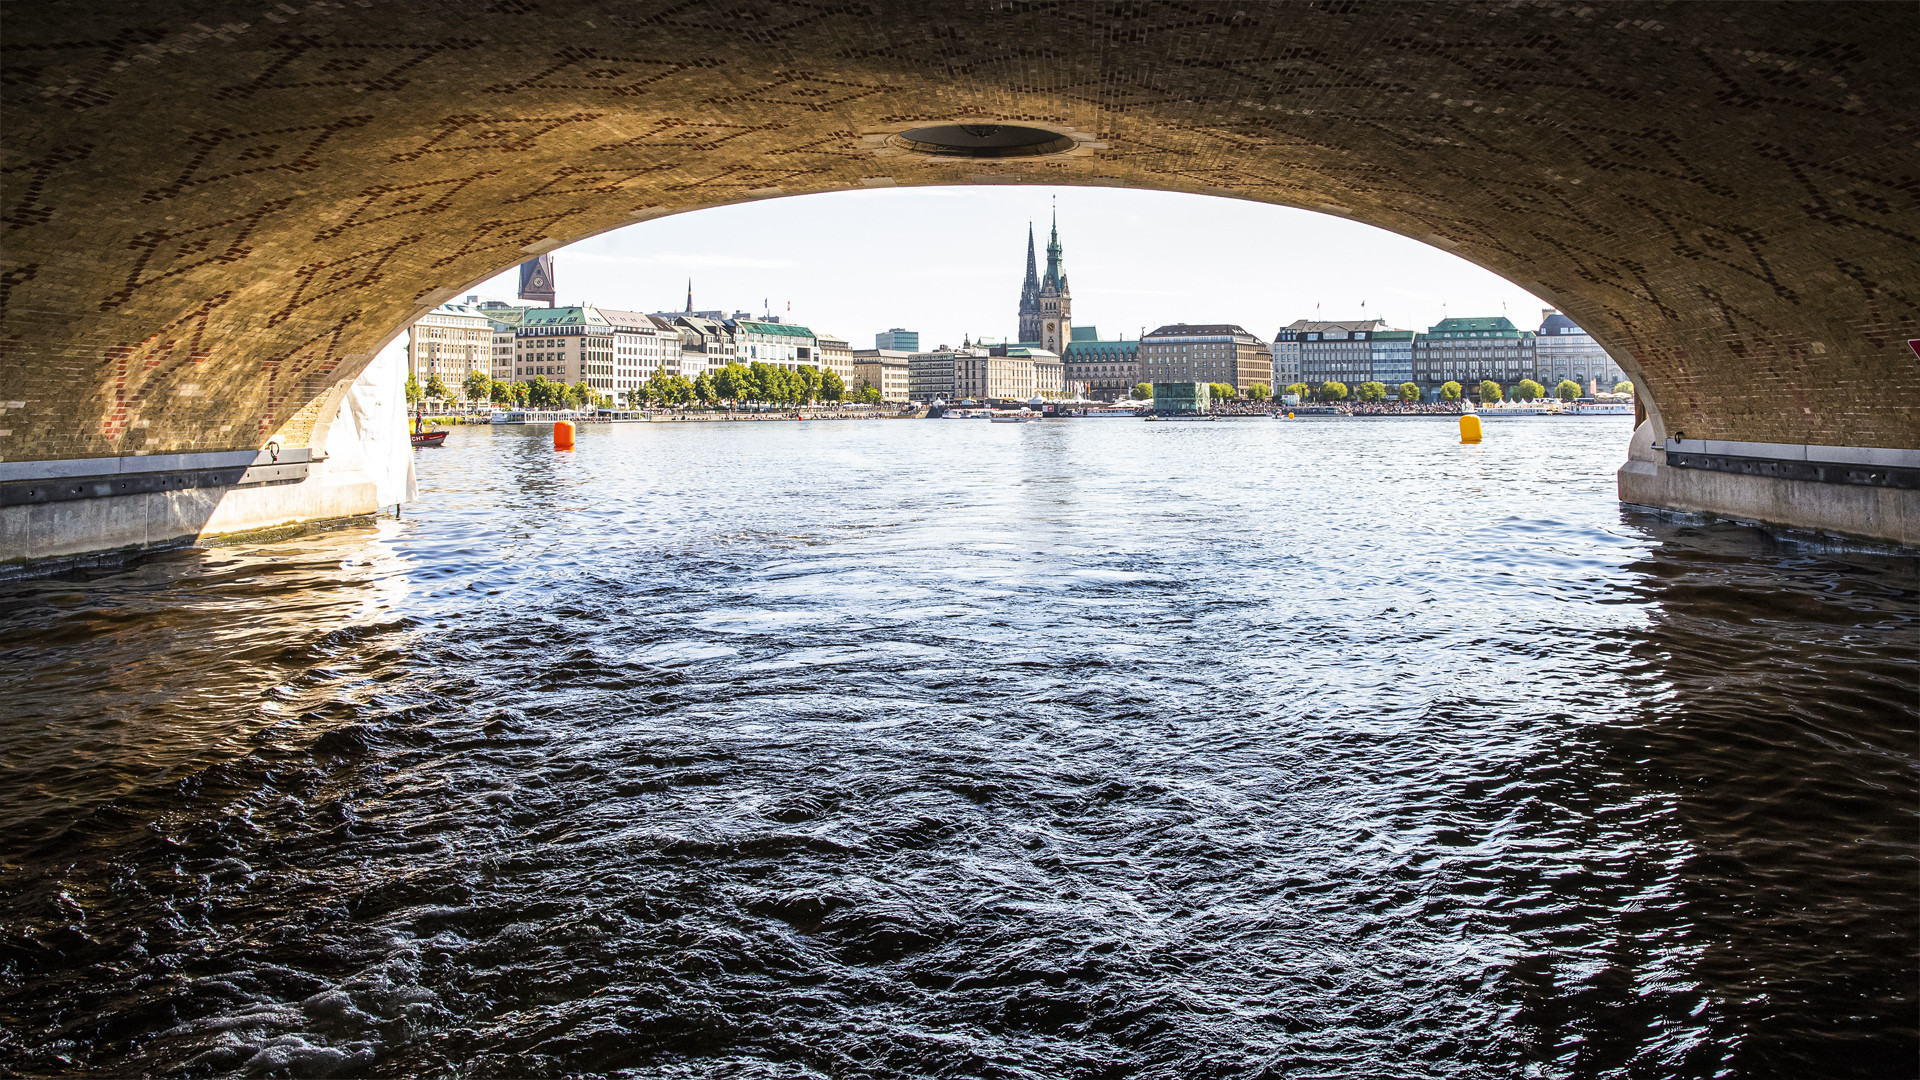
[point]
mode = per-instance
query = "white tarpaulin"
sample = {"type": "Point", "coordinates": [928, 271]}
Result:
{"type": "Point", "coordinates": [370, 435]}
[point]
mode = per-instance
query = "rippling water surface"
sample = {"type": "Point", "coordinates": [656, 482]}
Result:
{"type": "Point", "coordinates": [1072, 749]}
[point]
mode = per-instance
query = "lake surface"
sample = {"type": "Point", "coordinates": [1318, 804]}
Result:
{"type": "Point", "coordinates": [885, 749]}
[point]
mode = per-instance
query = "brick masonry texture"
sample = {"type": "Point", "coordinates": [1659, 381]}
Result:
{"type": "Point", "coordinates": [213, 213]}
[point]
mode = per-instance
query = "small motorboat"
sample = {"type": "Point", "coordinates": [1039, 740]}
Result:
{"type": "Point", "coordinates": [429, 438]}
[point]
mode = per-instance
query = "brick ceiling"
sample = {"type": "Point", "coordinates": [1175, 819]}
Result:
{"type": "Point", "coordinates": [214, 213]}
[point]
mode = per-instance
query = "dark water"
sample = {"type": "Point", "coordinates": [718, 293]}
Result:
{"type": "Point", "coordinates": [1076, 749]}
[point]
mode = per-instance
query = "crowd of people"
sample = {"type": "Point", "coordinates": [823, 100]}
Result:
{"type": "Point", "coordinates": [1402, 408]}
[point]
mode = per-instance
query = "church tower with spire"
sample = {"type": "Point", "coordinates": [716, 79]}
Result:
{"type": "Point", "coordinates": [1055, 300]}
{"type": "Point", "coordinates": [1031, 321]}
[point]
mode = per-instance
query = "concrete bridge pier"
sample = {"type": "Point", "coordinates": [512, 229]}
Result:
{"type": "Point", "coordinates": [1870, 492]}
{"type": "Point", "coordinates": [102, 508]}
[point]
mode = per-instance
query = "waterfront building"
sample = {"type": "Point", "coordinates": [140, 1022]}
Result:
{"type": "Point", "coordinates": [1286, 355]}
{"type": "Point", "coordinates": [705, 344]}
{"type": "Point", "coordinates": [1205, 352]}
{"type": "Point", "coordinates": [1109, 369]}
{"type": "Point", "coordinates": [1182, 398]}
{"type": "Point", "coordinates": [1564, 351]}
{"type": "Point", "coordinates": [930, 375]}
{"type": "Point", "coordinates": [1392, 357]}
{"type": "Point", "coordinates": [836, 356]}
{"type": "Point", "coordinates": [642, 346]}
{"type": "Point", "coordinates": [451, 341]}
{"type": "Point", "coordinates": [1317, 351]}
{"type": "Point", "coordinates": [897, 340]}
{"type": "Point", "coordinates": [887, 370]}
{"type": "Point", "coordinates": [566, 344]}
{"type": "Point", "coordinates": [502, 319]}
{"type": "Point", "coordinates": [773, 342]}
{"type": "Point", "coordinates": [1469, 350]}
{"type": "Point", "coordinates": [1046, 303]}
{"type": "Point", "coordinates": [1049, 372]}
{"type": "Point", "coordinates": [1007, 373]}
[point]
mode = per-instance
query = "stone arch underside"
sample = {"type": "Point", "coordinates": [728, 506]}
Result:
{"type": "Point", "coordinates": [214, 213]}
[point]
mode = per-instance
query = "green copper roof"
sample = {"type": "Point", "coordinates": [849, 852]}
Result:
{"type": "Point", "coordinates": [773, 329]}
{"type": "Point", "coordinates": [1078, 347]}
{"type": "Point", "coordinates": [1456, 326]}
{"type": "Point", "coordinates": [563, 316]}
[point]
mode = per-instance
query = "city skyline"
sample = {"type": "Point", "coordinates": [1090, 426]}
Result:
{"type": "Point", "coordinates": [947, 262]}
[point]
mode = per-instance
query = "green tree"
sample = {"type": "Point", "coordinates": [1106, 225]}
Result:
{"type": "Point", "coordinates": [1333, 391]}
{"type": "Point", "coordinates": [478, 386]}
{"type": "Point", "coordinates": [1373, 391]}
{"type": "Point", "coordinates": [1259, 392]}
{"type": "Point", "coordinates": [502, 392]}
{"type": "Point", "coordinates": [1490, 392]}
{"type": "Point", "coordinates": [729, 383]}
{"type": "Point", "coordinates": [1300, 390]}
{"type": "Point", "coordinates": [832, 386]}
{"type": "Point", "coordinates": [1222, 391]}
{"type": "Point", "coordinates": [680, 389]}
{"type": "Point", "coordinates": [437, 390]}
{"type": "Point", "coordinates": [1527, 390]}
{"type": "Point", "coordinates": [1623, 388]}
{"type": "Point", "coordinates": [522, 393]}
{"type": "Point", "coordinates": [760, 382]}
{"type": "Point", "coordinates": [1567, 390]}
{"type": "Point", "coordinates": [413, 389]}
{"type": "Point", "coordinates": [1450, 391]}
{"type": "Point", "coordinates": [869, 393]}
{"type": "Point", "coordinates": [657, 388]}
{"type": "Point", "coordinates": [542, 394]}
{"type": "Point", "coordinates": [1409, 391]}
{"type": "Point", "coordinates": [1141, 391]}
{"type": "Point", "coordinates": [703, 388]}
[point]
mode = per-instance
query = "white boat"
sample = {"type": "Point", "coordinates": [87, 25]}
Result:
{"type": "Point", "coordinates": [1600, 408]}
{"type": "Point", "coordinates": [1022, 417]}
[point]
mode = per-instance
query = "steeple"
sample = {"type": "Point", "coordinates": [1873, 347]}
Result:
{"type": "Point", "coordinates": [689, 296]}
{"type": "Point", "coordinates": [1030, 288]}
{"type": "Point", "coordinates": [1054, 278]}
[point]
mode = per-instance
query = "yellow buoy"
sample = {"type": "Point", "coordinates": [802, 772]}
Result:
{"type": "Point", "coordinates": [1469, 428]}
{"type": "Point", "coordinates": [1289, 416]}
{"type": "Point", "coordinates": [563, 435]}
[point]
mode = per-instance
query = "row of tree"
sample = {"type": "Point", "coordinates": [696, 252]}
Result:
{"type": "Point", "coordinates": [537, 393]}
{"type": "Point", "coordinates": [1221, 391]}
{"type": "Point", "coordinates": [734, 384]}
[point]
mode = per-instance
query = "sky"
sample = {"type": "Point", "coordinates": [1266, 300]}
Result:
{"type": "Point", "coordinates": [948, 261]}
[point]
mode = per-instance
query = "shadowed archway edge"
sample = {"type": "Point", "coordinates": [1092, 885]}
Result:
{"type": "Point", "coordinates": [216, 213]}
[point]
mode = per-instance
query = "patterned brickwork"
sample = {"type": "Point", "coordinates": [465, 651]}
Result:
{"type": "Point", "coordinates": [214, 212]}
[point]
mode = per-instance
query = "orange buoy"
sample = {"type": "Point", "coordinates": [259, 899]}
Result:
{"type": "Point", "coordinates": [563, 434]}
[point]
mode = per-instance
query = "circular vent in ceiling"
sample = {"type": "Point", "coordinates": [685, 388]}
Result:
{"type": "Point", "coordinates": [983, 141]}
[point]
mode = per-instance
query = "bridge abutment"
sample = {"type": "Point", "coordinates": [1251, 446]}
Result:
{"type": "Point", "coordinates": [56, 513]}
{"type": "Point", "coordinates": [1867, 492]}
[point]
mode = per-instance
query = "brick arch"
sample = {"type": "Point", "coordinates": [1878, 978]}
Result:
{"type": "Point", "coordinates": [215, 213]}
